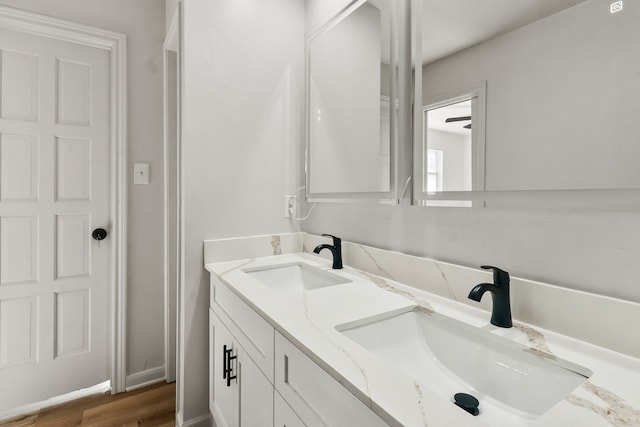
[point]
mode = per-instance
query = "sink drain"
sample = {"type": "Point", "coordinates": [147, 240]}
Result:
{"type": "Point", "coordinates": [467, 402]}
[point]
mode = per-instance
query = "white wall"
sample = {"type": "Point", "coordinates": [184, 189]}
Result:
{"type": "Point", "coordinates": [241, 132]}
{"type": "Point", "coordinates": [143, 22]}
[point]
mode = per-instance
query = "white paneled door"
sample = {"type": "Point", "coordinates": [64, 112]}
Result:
{"type": "Point", "coordinates": [54, 192]}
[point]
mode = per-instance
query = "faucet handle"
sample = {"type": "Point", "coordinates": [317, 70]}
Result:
{"type": "Point", "coordinates": [336, 240]}
{"type": "Point", "coordinates": [500, 277]}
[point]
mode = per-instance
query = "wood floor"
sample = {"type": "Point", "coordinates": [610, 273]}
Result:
{"type": "Point", "coordinates": [152, 406]}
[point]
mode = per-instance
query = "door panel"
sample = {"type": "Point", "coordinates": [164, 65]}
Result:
{"type": "Point", "coordinates": [73, 169]}
{"type": "Point", "coordinates": [18, 331]}
{"type": "Point", "coordinates": [19, 168]}
{"type": "Point", "coordinates": [20, 86]}
{"type": "Point", "coordinates": [74, 93]}
{"type": "Point", "coordinates": [72, 335]}
{"type": "Point", "coordinates": [18, 250]}
{"type": "Point", "coordinates": [72, 245]}
{"type": "Point", "coordinates": [54, 190]}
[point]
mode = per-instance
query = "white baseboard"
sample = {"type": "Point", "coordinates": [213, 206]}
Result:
{"type": "Point", "coordinates": [145, 378]}
{"type": "Point", "coordinates": [34, 407]}
{"type": "Point", "coordinates": [201, 421]}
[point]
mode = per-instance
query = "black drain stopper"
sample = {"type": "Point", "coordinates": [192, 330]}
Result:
{"type": "Point", "coordinates": [467, 402]}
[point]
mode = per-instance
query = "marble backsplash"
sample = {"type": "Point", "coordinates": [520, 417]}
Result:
{"type": "Point", "coordinates": [597, 319]}
{"type": "Point", "coordinates": [252, 247]}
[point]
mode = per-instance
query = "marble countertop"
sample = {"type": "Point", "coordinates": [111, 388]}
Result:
{"type": "Point", "coordinates": [610, 397]}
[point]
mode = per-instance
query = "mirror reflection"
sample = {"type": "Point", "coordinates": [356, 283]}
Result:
{"type": "Point", "coordinates": [562, 95]}
{"type": "Point", "coordinates": [349, 116]}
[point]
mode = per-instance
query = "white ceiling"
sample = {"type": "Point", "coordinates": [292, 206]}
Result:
{"type": "Point", "coordinates": [437, 117]}
{"type": "Point", "coordinates": [450, 26]}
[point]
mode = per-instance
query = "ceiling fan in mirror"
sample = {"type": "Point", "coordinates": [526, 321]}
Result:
{"type": "Point", "coordinates": [460, 119]}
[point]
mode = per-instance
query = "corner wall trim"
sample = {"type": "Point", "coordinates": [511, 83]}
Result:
{"type": "Point", "coordinates": [145, 378]}
{"type": "Point", "coordinates": [170, 284]}
{"type": "Point", "coordinates": [201, 421]}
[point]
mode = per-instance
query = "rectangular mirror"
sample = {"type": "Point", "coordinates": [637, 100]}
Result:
{"type": "Point", "coordinates": [352, 104]}
{"type": "Point", "coordinates": [559, 109]}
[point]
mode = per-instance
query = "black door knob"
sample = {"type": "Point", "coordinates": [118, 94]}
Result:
{"type": "Point", "coordinates": [99, 234]}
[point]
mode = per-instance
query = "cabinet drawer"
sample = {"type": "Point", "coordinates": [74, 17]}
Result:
{"type": "Point", "coordinates": [283, 415]}
{"type": "Point", "coordinates": [251, 331]}
{"type": "Point", "coordinates": [317, 398]}
{"type": "Point", "coordinates": [222, 400]}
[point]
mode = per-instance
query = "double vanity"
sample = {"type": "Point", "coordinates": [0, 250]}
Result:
{"type": "Point", "coordinates": [298, 342]}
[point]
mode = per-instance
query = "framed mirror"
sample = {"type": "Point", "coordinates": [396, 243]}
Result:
{"type": "Point", "coordinates": [352, 104]}
{"type": "Point", "coordinates": [558, 125]}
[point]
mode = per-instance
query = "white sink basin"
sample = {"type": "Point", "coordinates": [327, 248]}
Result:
{"type": "Point", "coordinates": [512, 382]}
{"type": "Point", "coordinates": [294, 277]}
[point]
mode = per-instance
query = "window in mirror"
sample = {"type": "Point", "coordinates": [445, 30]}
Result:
{"type": "Point", "coordinates": [434, 170]}
{"type": "Point", "coordinates": [385, 143]}
{"type": "Point", "coordinates": [452, 146]}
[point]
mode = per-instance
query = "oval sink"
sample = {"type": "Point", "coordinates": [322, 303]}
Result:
{"type": "Point", "coordinates": [512, 381]}
{"type": "Point", "coordinates": [296, 276]}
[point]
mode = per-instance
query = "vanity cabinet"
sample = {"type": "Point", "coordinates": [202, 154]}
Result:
{"type": "Point", "coordinates": [240, 361]}
{"type": "Point", "coordinates": [258, 378]}
{"type": "Point", "coordinates": [240, 394]}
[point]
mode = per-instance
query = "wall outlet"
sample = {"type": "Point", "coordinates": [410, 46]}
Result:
{"type": "Point", "coordinates": [290, 206]}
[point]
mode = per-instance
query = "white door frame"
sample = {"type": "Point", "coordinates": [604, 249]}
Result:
{"type": "Point", "coordinates": [116, 45]}
{"type": "Point", "coordinates": [171, 44]}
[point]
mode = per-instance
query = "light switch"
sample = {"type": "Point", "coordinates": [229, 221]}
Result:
{"type": "Point", "coordinates": [141, 173]}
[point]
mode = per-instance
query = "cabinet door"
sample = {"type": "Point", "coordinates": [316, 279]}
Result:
{"type": "Point", "coordinates": [222, 398]}
{"type": "Point", "coordinates": [317, 398]}
{"type": "Point", "coordinates": [283, 415]}
{"type": "Point", "coordinates": [248, 399]}
{"type": "Point", "coordinates": [256, 394]}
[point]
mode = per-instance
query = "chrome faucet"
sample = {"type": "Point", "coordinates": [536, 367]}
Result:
{"type": "Point", "coordinates": [501, 313]}
{"type": "Point", "coordinates": [336, 250]}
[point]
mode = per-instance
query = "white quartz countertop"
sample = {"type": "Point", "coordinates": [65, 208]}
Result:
{"type": "Point", "coordinates": [611, 397]}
